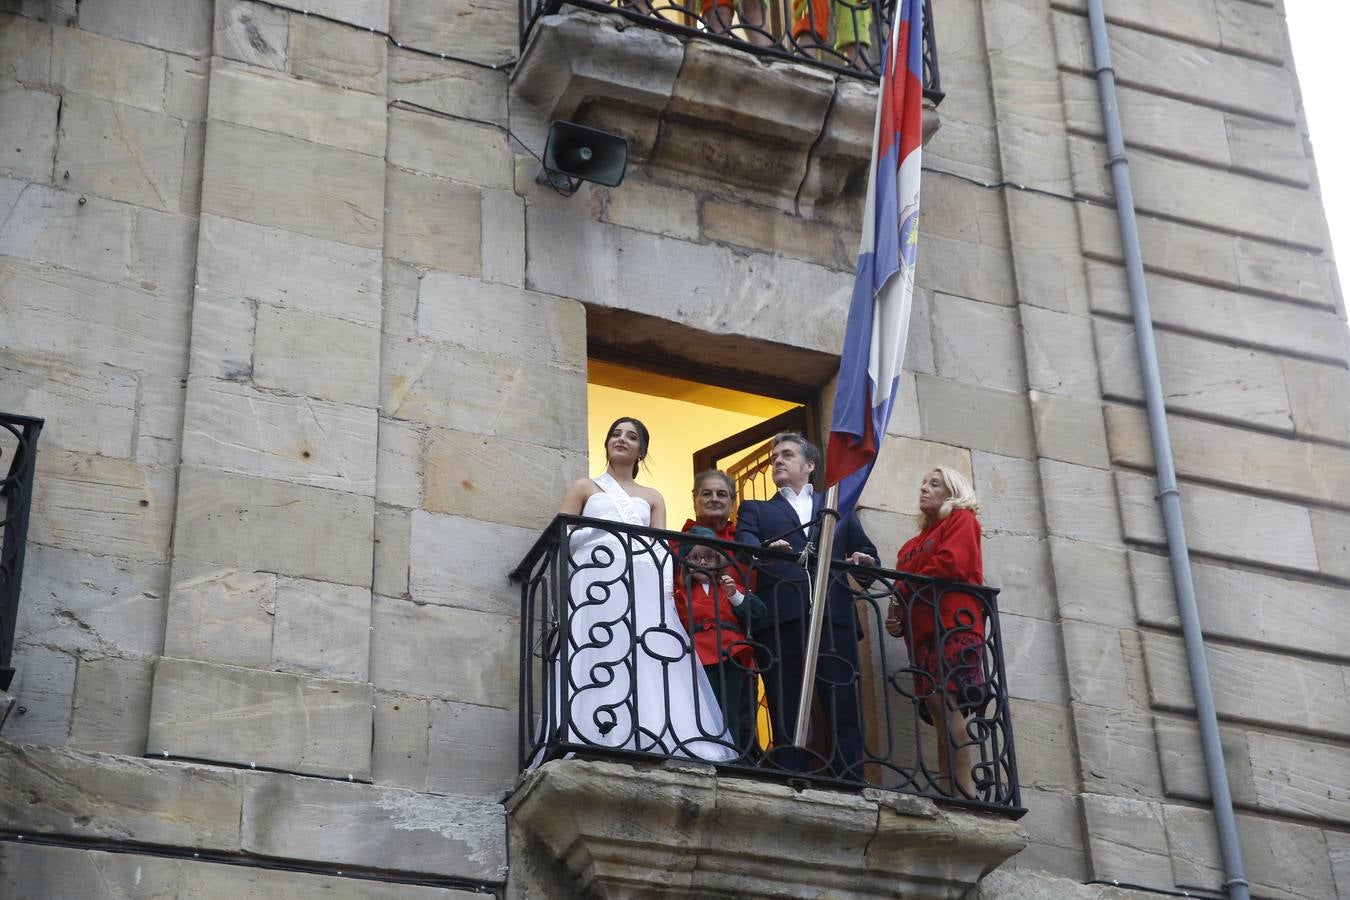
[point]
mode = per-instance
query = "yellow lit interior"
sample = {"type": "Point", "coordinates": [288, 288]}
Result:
{"type": "Point", "coordinates": [683, 417]}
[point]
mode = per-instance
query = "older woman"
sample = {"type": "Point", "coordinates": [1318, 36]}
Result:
{"type": "Point", "coordinates": [947, 547]}
{"type": "Point", "coordinates": [714, 499]}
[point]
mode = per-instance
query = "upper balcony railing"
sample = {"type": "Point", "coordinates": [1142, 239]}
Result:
{"type": "Point", "coordinates": [844, 35]}
{"type": "Point", "coordinates": [18, 438]}
{"type": "Point", "coordinates": [608, 666]}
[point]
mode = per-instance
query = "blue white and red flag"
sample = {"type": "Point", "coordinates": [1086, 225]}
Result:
{"type": "Point", "coordinates": [878, 316]}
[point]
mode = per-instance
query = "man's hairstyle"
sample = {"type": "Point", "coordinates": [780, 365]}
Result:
{"type": "Point", "coordinates": [809, 450]}
{"type": "Point", "coordinates": [715, 473]}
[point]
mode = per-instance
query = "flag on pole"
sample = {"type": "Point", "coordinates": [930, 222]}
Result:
{"type": "Point", "coordinates": [878, 316]}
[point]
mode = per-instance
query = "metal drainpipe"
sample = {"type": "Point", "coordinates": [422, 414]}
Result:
{"type": "Point", "coordinates": [1168, 497]}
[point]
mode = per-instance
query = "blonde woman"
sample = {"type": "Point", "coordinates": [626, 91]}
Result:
{"type": "Point", "coordinates": [947, 547]}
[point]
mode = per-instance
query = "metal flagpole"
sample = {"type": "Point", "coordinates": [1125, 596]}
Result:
{"type": "Point", "coordinates": [818, 600]}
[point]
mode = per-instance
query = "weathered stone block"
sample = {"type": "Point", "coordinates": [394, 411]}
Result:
{"type": "Point", "coordinates": [185, 94]}
{"type": "Point", "coordinates": [160, 421]}
{"type": "Point", "coordinates": [472, 749]}
{"type": "Point", "coordinates": [25, 50]}
{"type": "Point", "coordinates": [434, 223]}
{"type": "Point", "coordinates": [1010, 494]}
{"type": "Point", "coordinates": [120, 151]}
{"type": "Point", "coordinates": [317, 355]}
{"type": "Point", "coordinates": [1301, 778]}
{"type": "Point", "coordinates": [900, 470]}
{"type": "Point", "coordinates": [374, 827]}
{"type": "Point", "coordinates": [1314, 397]}
{"type": "Point", "coordinates": [91, 603]}
{"type": "Point", "coordinates": [460, 654]}
{"type": "Point", "coordinates": [953, 412]}
{"type": "Point", "coordinates": [1246, 606]}
{"type": "Point", "coordinates": [238, 428]}
{"type": "Point", "coordinates": [449, 148]}
{"type": "Point", "coordinates": [1173, 248]}
{"type": "Point", "coordinates": [1252, 686]}
{"type": "Point", "coordinates": [1048, 263]}
{"type": "Point", "coordinates": [494, 479]}
{"type": "Point", "coordinates": [257, 98]}
{"type": "Point", "coordinates": [1080, 503]}
{"type": "Point", "coordinates": [465, 312]}
{"type": "Point", "coordinates": [338, 649]}
{"type": "Point", "coordinates": [399, 298]}
{"type": "Point", "coordinates": [163, 252]}
{"type": "Point", "coordinates": [28, 133]}
{"type": "Point", "coordinates": [337, 54]}
{"type": "Point", "coordinates": [456, 88]}
{"type": "Point", "coordinates": [251, 33]}
{"type": "Point", "coordinates": [464, 563]}
{"type": "Point", "coordinates": [272, 719]}
{"type": "Point", "coordinates": [1198, 376]}
{"type": "Point", "coordinates": [1263, 147]}
{"type": "Point", "coordinates": [1092, 582]}
{"type": "Point", "coordinates": [400, 463]}
{"type": "Point", "coordinates": [1069, 430]}
{"type": "Point", "coordinates": [108, 69]}
{"type": "Point", "coordinates": [1281, 859]}
{"type": "Point", "coordinates": [43, 690]}
{"type": "Point", "coordinates": [1033, 659]}
{"type": "Point", "coordinates": [1019, 565]}
{"type": "Point", "coordinates": [38, 871]}
{"type": "Point", "coordinates": [1207, 196]}
{"type": "Point", "coordinates": [103, 506]}
{"type": "Point", "coordinates": [1222, 523]}
{"type": "Point", "coordinates": [660, 210]}
{"type": "Point", "coordinates": [1060, 357]}
{"type": "Point", "coordinates": [114, 798]}
{"type": "Point", "coordinates": [181, 27]}
{"type": "Point", "coordinates": [1224, 314]}
{"type": "Point", "coordinates": [1331, 535]}
{"type": "Point", "coordinates": [223, 616]}
{"type": "Point", "coordinates": [402, 733]}
{"type": "Point", "coordinates": [1239, 457]}
{"type": "Point", "coordinates": [315, 189]}
{"type": "Point", "coordinates": [262, 524]}
{"type": "Point", "coordinates": [718, 290]}
{"type": "Point", "coordinates": [1182, 69]}
{"type": "Point", "coordinates": [1045, 756]}
{"type": "Point", "coordinates": [1054, 830]}
{"type": "Point", "coordinates": [448, 27]}
{"type": "Point", "coordinates": [495, 395]}
{"type": "Point", "coordinates": [112, 705]}
{"type": "Point", "coordinates": [222, 335]}
{"type": "Point", "coordinates": [90, 410]}
{"type": "Point", "coordinates": [1182, 760]}
{"type": "Point", "coordinates": [243, 260]}
{"type": "Point", "coordinates": [977, 343]}
{"type": "Point", "coordinates": [504, 231]}
{"type": "Point", "coordinates": [1117, 753]}
{"type": "Point", "coordinates": [45, 225]}
{"type": "Point", "coordinates": [770, 231]}
{"type": "Point", "coordinates": [393, 550]}
{"type": "Point", "coordinates": [1096, 665]}
{"type": "Point", "coordinates": [1126, 840]}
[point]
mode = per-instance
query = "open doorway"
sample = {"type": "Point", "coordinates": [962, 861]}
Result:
{"type": "Point", "coordinates": [693, 425]}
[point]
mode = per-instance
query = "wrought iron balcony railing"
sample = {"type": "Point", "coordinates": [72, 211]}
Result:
{"type": "Point", "coordinates": [608, 667]}
{"type": "Point", "coordinates": [843, 35]}
{"type": "Point", "coordinates": [18, 438]}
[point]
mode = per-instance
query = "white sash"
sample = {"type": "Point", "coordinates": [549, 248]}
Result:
{"type": "Point", "coordinates": [626, 504]}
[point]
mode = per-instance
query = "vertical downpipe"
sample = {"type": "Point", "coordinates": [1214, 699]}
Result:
{"type": "Point", "coordinates": [1235, 882]}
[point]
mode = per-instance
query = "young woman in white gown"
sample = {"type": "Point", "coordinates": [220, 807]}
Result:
{"type": "Point", "coordinates": [626, 661]}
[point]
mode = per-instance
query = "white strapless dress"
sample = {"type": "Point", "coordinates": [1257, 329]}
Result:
{"type": "Point", "coordinates": [627, 663]}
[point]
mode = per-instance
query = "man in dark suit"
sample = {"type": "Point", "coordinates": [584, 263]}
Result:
{"type": "Point", "coordinates": [787, 521]}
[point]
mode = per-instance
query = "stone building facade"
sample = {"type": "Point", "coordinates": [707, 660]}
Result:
{"type": "Point", "coordinates": [311, 347]}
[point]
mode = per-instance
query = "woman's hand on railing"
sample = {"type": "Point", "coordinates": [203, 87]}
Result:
{"type": "Point", "coordinates": [895, 620]}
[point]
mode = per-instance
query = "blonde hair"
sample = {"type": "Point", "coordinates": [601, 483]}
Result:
{"type": "Point", "coordinates": [962, 495]}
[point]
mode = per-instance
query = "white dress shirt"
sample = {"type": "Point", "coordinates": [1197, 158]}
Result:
{"type": "Point", "coordinates": [801, 502]}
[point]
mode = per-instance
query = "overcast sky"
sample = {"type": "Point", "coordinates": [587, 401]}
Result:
{"type": "Point", "coordinates": [1317, 29]}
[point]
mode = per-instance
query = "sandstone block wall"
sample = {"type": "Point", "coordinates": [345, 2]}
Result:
{"type": "Point", "coordinates": [312, 353]}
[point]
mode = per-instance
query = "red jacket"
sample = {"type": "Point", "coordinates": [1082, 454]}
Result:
{"type": "Point", "coordinates": [949, 550]}
{"type": "Point", "coordinates": [707, 613]}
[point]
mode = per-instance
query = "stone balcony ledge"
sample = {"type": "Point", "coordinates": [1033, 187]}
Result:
{"type": "Point", "coordinates": [616, 829]}
{"type": "Point", "coordinates": [768, 130]}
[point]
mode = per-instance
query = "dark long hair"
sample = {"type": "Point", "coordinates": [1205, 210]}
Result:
{"type": "Point", "coordinates": [644, 439]}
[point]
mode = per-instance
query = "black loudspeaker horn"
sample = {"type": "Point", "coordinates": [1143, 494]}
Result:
{"type": "Point", "coordinates": [577, 153]}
